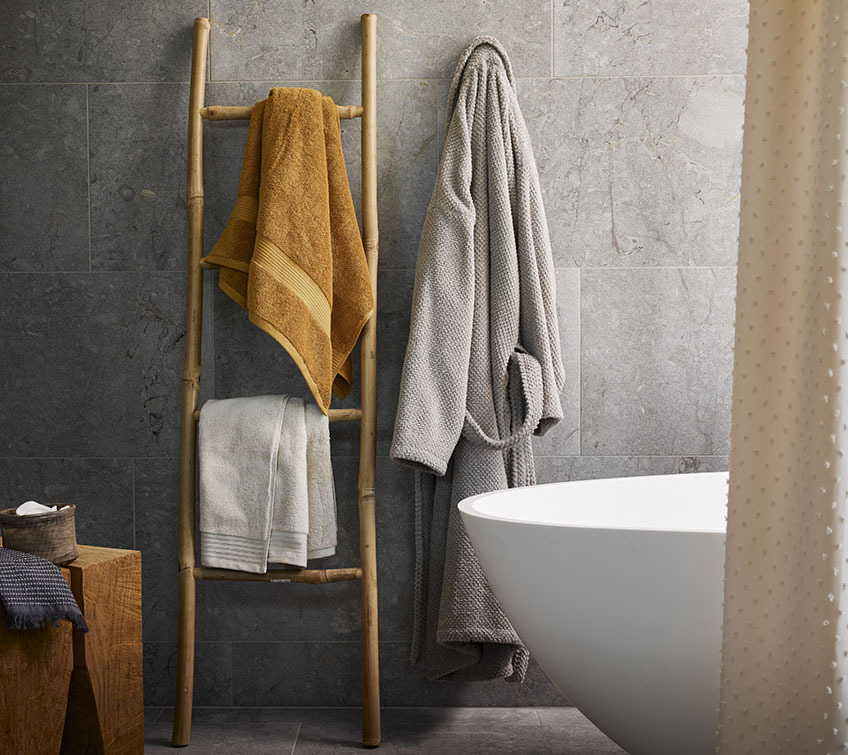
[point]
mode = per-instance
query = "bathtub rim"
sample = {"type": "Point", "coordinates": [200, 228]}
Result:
{"type": "Point", "coordinates": [469, 507]}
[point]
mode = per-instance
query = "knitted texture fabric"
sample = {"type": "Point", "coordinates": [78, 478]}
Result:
{"type": "Point", "coordinates": [482, 370]}
{"type": "Point", "coordinates": [33, 592]}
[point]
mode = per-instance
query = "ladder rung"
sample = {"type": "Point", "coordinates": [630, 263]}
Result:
{"type": "Point", "coordinates": [242, 112]}
{"type": "Point", "coordinates": [311, 576]}
{"type": "Point", "coordinates": [344, 415]}
{"type": "Point", "coordinates": [334, 415]}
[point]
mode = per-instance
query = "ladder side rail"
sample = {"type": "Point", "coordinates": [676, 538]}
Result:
{"type": "Point", "coordinates": [368, 378]}
{"type": "Point", "coordinates": [190, 389]}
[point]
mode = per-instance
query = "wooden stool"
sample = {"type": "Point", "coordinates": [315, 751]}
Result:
{"type": "Point", "coordinates": [35, 669]}
{"type": "Point", "coordinates": [69, 692]}
{"type": "Point", "coordinates": [106, 699]}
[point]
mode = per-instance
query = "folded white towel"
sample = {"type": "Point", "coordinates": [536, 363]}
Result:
{"type": "Point", "coordinates": [322, 492]}
{"type": "Point", "coordinates": [290, 518]}
{"type": "Point", "coordinates": [304, 519]}
{"type": "Point", "coordinates": [266, 483]}
{"type": "Point", "coordinates": [238, 441]}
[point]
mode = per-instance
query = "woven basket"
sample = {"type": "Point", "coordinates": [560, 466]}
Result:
{"type": "Point", "coordinates": [51, 535]}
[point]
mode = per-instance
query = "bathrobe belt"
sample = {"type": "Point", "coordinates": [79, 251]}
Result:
{"type": "Point", "coordinates": [525, 397]}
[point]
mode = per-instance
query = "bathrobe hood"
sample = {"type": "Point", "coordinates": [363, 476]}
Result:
{"type": "Point", "coordinates": [486, 53]}
{"type": "Point", "coordinates": [482, 371]}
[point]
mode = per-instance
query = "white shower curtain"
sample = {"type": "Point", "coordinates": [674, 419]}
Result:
{"type": "Point", "coordinates": [785, 648]}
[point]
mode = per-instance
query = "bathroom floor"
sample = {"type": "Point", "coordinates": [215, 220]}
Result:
{"type": "Point", "coordinates": [418, 731]}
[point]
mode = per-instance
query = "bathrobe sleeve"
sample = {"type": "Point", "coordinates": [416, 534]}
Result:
{"type": "Point", "coordinates": [432, 398]}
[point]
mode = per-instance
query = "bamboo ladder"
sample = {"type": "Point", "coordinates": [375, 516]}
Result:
{"type": "Point", "coordinates": [366, 572]}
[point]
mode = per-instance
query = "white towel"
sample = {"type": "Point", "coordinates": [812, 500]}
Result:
{"type": "Point", "coordinates": [266, 483]}
{"type": "Point", "coordinates": [322, 496]}
{"type": "Point", "coordinates": [290, 519]}
{"type": "Point", "coordinates": [237, 442]}
{"type": "Point", "coordinates": [304, 519]}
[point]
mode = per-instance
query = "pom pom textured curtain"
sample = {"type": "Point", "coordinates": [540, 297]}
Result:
{"type": "Point", "coordinates": [785, 646]}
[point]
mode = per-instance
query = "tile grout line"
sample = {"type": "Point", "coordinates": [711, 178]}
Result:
{"type": "Point", "coordinates": [296, 737]}
{"type": "Point", "coordinates": [553, 38]}
{"type": "Point", "coordinates": [71, 272]}
{"type": "Point", "coordinates": [88, 167]}
{"type": "Point", "coordinates": [580, 361]}
{"type": "Point", "coordinates": [209, 77]}
{"type": "Point", "coordinates": [132, 482]}
{"type": "Point", "coordinates": [383, 457]}
{"type": "Point", "coordinates": [232, 675]}
{"type": "Point", "coordinates": [389, 269]}
{"type": "Point", "coordinates": [86, 458]}
{"type": "Point", "coordinates": [630, 456]}
{"type": "Point", "coordinates": [574, 77]}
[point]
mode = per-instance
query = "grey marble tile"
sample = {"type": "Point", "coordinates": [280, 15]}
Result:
{"type": "Point", "coordinates": [564, 438]}
{"type": "Point", "coordinates": [207, 343]}
{"type": "Point", "coordinates": [657, 361]}
{"type": "Point", "coordinates": [138, 193]}
{"type": "Point", "coordinates": [212, 673]}
{"type": "Point", "coordinates": [156, 483]}
{"type": "Point", "coordinates": [442, 93]}
{"type": "Point", "coordinates": [563, 731]}
{"type": "Point", "coordinates": [395, 548]}
{"type": "Point", "coordinates": [638, 172]}
{"type": "Point", "coordinates": [393, 313]}
{"type": "Point", "coordinates": [296, 673]}
{"type": "Point", "coordinates": [151, 714]}
{"type": "Point", "coordinates": [661, 37]}
{"type": "Point", "coordinates": [101, 490]}
{"type": "Point", "coordinates": [91, 363]}
{"type": "Point", "coordinates": [421, 739]}
{"type": "Point", "coordinates": [288, 40]}
{"type": "Point", "coordinates": [392, 719]}
{"type": "Point", "coordinates": [99, 40]}
{"type": "Point", "coordinates": [564, 468]}
{"type": "Point", "coordinates": [227, 739]}
{"type": "Point", "coordinates": [407, 157]}
{"type": "Point", "coordinates": [328, 673]}
{"type": "Point", "coordinates": [43, 181]}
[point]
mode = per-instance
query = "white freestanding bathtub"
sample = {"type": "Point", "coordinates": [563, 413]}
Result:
{"type": "Point", "coordinates": [616, 588]}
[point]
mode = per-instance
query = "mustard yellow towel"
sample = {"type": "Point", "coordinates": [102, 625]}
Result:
{"type": "Point", "coordinates": [291, 253]}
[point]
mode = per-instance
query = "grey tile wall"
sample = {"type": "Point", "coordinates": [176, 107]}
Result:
{"type": "Point", "coordinates": [635, 113]}
{"type": "Point", "coordinates": [44, 136]}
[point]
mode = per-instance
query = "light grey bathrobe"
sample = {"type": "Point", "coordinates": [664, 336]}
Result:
{"type": "Point", "coordinates": [483, 369]}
